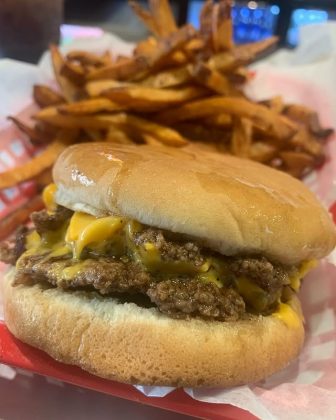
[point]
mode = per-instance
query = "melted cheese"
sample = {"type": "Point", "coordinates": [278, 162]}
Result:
{"type": "Point", "coordinates": [48, 197]}
{"type": "Point", "coordinates": [85, 229]}
{"type": "Point", "coordinates": [287, 314]}
{"type": "Point", "coordinates": [305, 267]}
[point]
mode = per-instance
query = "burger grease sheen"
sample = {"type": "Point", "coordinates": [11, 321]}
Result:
{"type": "Point", "coordinates": [167, 267]}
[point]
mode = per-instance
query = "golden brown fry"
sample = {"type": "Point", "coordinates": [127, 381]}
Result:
{"type": "Point", "coordinates": [90, 106]}
{"type": "Point", "coordinates": [97, 87]}
{"type": "Point", "coordinates": [239, 76]}
{"type": "Point", "coordinates": [169, 78]}
{"type": "Point", "coordinates": [45, 96]}
{"type": "Point", "coordinates": [219, 120]}
{"type": "Point", "coordinates": [206, 20]}
{"type": "Point", "coordinates": [32, 168]}
{"type": "Point", "coordinates": [165, 135]}
{"type": "Point", "coordinates": [223, 32]}
{"type": "Point", "coordinates": [117, 135]}
{"type": "Point", "coordinates": [309, 117]}
{"type": "Point", "coordinates": [248, 52]}
{"type": "Point", "coordinates": [35, 136]}
{"type": "Point", "coordinates": [193, 46]}
{"type": "Point", "coordinates": [74, 72]}
{"type": "Point", "coordinates": [210, 78]}
{"type": "Point", "coordinates": [146, 47]}
{"type": "Point", "coordinates": [241, 137]}
{"type": "Point", "coordinates": [200, 132]}
{"type": "Point", "coordinates": [154, 60]}
{"type": "Point", "coordinates": [43, 179]}
{"type": "Point", "coordinates": [142, 98]}
{"type": "Point", "coordinates": [276, 104]}
{"type": "Point", "coordinates": [19, 216]}
{"type": "Point", "coordinates": [68, 89]}
{"type": "Point", "coordinates": [146, 17]}
{"type": "Point", "coordinates": [297, 163]}
{"type": "Point", "coordinates": [304, 141]}
{"type": "Point", "coordinates": [53, 117]}
{"type": "Point", "coordinates": [120, 70]}
{"type": "Point", "coordinates": [276, 126]}
{"type": "Point", "coordinates": [89, 59]}
{"type": "Point", "coordinates": [163, 16]}
{"type": "Point", "coordinates": [262, 152]}
{"type": "Point", "coordinates": [152, 141]}
{"type": "Point", "coordinates": [207, 106]}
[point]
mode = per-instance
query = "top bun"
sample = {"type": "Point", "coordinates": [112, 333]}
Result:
{"type": "Point", "coordinates": [231, 205]}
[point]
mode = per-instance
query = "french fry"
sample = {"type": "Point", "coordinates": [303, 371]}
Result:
{"type": "Point", "coordinates": [9, 223]}
{"type": "Point", "coordinates": [304, 141]}
{"type": "Point", "coordinates": [97, 87]}
{"type": "Point", "coordinates": [162, 14]}
{"type": "Point", "coordinates": [238, 76]}
{"type": "Point", "coordinates": [146, 17]}
{"type": "Point", "coordinates": [118, 135]}
{"type": "Point", "coordinates": [74, 72]}
{"type": "Point", "coordinates": [45, 96]}
{"type": "Point", "coordinates": [249, 51]}
{"type": "Point", "coordinates": [32, 168]}
{"type": "Point", "coordinates": [167, 79]}
{"type": "Point", "coordinates": [297, 163]}
{"type": "Point", "coordinates": [100, 121]}
{"type": "Point", "coordinates": [68, 89]}
{"type": "Point", "coordinates": [152, 141]}
{"type": "Point", "coordinates": [120, 70]}
{"type": "Point", "coordinates": [262, 152]}
{"type": "Point", "coordinates": [219, 120]}
{"type": "Point", "coordinates": [35, 136]}
{"type": "Point", "coordinates": [206, 20]}
{"type": "Point", "coordinates": [203, 133]}
{"type": "Point", "coordinates": [210, 78]}
{"type": "Point", "coordinates": [146, 47]}
{"type": "Point", "coordinates": [275, 125]}
{"type": "Point", "coordinates": [134, 66]}
{"type": "Point", "coordinates": [276, 104]}
{"type": "Point", "coordinates": [165, 135]}
{"type": "Point", "coordinates": [86, 58]}
{"type": "Point", "coordinates": [241, 137]}
{"type": "Point", "coordinates": [142, 98]}
{"type": "Point", "coordinates": [308, 117]}
{"type": "Point", "coordinates": [90, 106]}
{"type": "Point", "coordinates": [223, 32]}
{"type": "Point", "coordinates": [226, 62]}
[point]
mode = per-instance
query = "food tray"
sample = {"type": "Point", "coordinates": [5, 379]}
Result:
{"type": "Point", "coordinates": [17, 354]}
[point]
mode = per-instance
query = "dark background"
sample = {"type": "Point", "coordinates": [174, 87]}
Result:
{"type": "Point", "coordinates": [252, 20]}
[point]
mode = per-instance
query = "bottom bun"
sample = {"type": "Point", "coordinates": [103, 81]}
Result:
{"type": "Point", "coordinates": [127, 343]}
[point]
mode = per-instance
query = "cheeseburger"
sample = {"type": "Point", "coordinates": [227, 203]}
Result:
{"type": "Point", "coordinates": [165, 267]}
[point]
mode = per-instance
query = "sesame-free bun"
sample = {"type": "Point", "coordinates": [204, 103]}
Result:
{"type": "Point", "coordinates": [231, 205]}
{"type": "Point", "coordinates": [131, 344]}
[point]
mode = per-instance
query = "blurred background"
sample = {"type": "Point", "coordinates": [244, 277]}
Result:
{"type": "Point", "coordinates": [27, 27]}
{"type": "Point", "coordinates": [253, 20]}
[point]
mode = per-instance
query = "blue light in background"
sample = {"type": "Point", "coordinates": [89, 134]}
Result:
{"type": "Point", "coordinates": [252, 21]}
{"type": "Point", "coordinates": [301, 17]}
{"type": "Point", "coordinates": [275, 10]}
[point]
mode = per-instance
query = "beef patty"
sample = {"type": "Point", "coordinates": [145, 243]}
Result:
{"type": "Point", "coordinates": [177, 295]}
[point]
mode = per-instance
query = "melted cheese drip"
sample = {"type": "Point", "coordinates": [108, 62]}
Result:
{"type": "Point", "coordinates": [287, 314]}
{"type": "Point", "coordinates": [48, 197]}
{"type": "Point", "coordinates": [305, 267]}
{"type": "Point", "coordinates": [85, 229]}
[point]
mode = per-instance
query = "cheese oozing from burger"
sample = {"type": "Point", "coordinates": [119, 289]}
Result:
{"type": "Point", "coordinates": [82, 243]}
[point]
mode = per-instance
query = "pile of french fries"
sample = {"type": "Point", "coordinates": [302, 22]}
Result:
{"type": "Point", "coordinates": [180, 86]}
